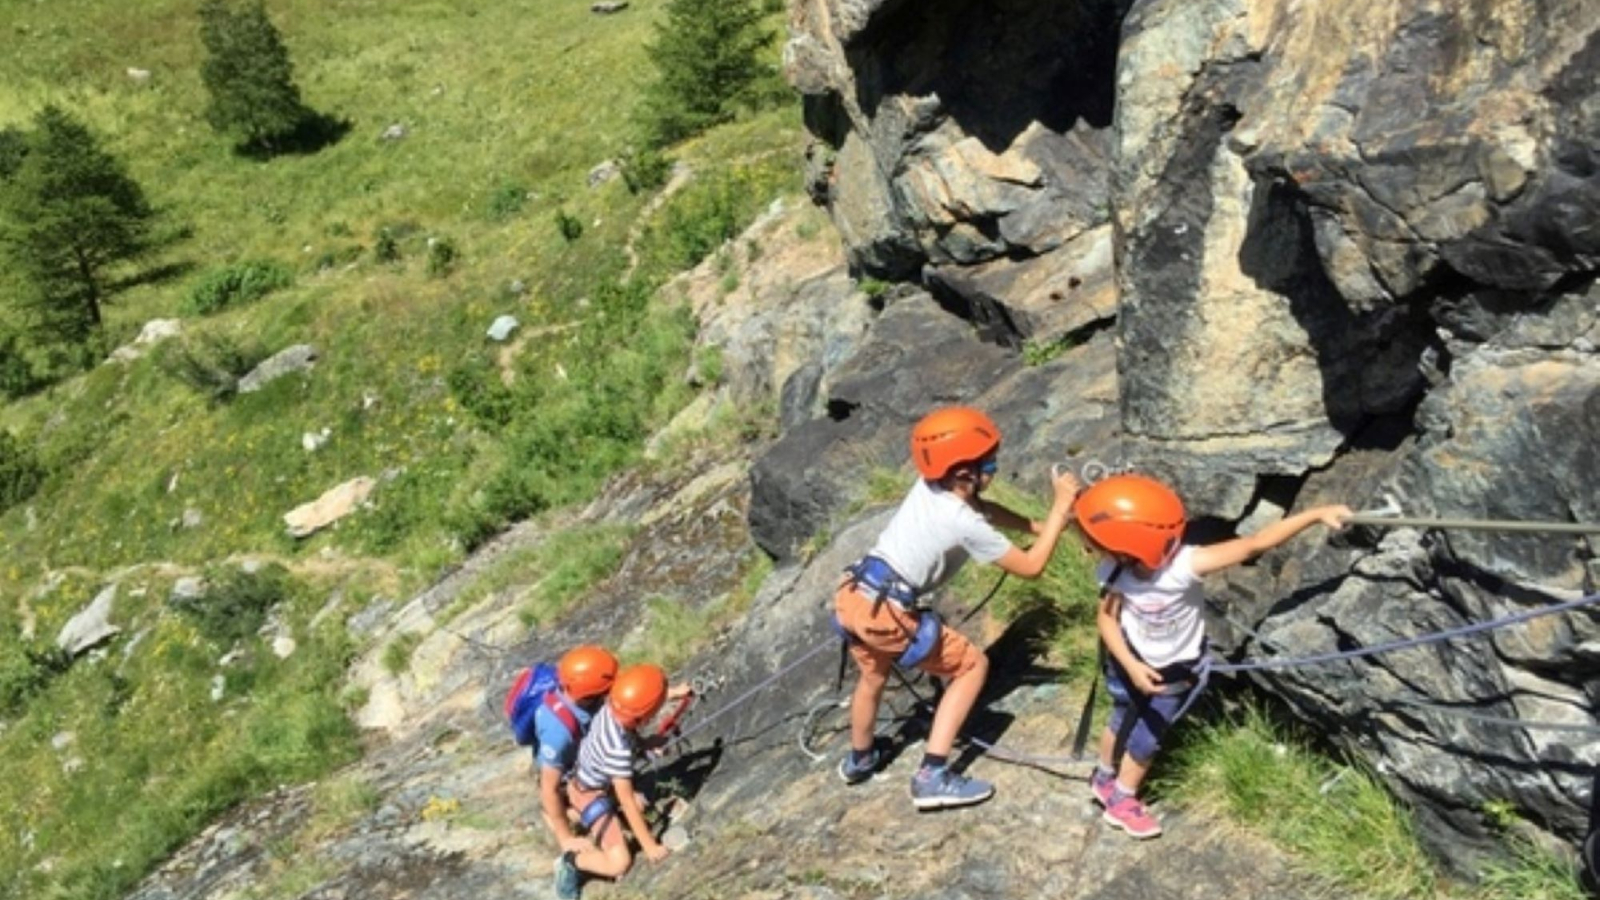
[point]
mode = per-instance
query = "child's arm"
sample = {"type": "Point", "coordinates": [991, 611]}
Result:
{"type": "Point", "coordinates": [633, 811]}
{"type": "Point", "coordinates": [1216, 557]}
{"type": "Point", "coordinates": [1144, 678]}
{"type": "Point", "coordinates": [555, 812]}
{"type": "Point", "coordinates": [1030, 562]}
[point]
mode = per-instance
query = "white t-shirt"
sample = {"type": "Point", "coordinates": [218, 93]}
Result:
{"type": "Point", "coordinates": [1162, 616]}
{"type": "Point", "coordinates": [933, 533]}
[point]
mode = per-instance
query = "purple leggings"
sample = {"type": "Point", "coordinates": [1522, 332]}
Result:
{"type": "Point", "coordinates": [1153, 715]}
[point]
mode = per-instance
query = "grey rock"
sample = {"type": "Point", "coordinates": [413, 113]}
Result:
{"type": "Point", "coordinates": [189, 587]}
{"type": "Point", "coordinates": [91, 626]}
{"type": "Point", "coordinates": [603, 172]}
{"type": "Point", "coordinates": [297, 358]}
{"type": "Point", "coordinates": [608, 7]}
{"type": "Point", "coordinates": [394, 132]}
{"type": "Point", "coordinates": [312, 441]}
{"type": "Point", "coordinates": [502, 327]}
{"type": "Point", "coordinates": [916, 357]}
{"type": "Point", "coordinates": [192, 518]}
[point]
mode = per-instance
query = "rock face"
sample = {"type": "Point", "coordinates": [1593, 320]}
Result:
{"type": "Point", "coordinates": [1349, 252]}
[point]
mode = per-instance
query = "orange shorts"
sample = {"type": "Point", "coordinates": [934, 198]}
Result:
{"type": "Point", "coordinates": [881, 638]}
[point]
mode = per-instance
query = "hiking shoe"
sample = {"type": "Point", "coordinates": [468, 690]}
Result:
{"type": "Point", "coordinates": [1102, 786]}
{"type": "Point", "coordinates": [566, 877]}
{"type": "Point", "coordinates": [1128, 814]}
{"type": "Point", "coordinates": [940, 788]}
{"type": "Point", "coordinates": [855, 773]}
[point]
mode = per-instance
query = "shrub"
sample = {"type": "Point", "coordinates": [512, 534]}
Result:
{"type": "Point", "coordinates": [385, 246]}
{"type": "Point", "coordinates": [644, 170]}
{"type": "Point", "coordinates": [507, 201]}
{"type": "Point", "coordinates": [237, 284]}
{"type": "Point", "coordinates": [235, 603]}
{"type": "Point", "coordinates": [210, 364]}
{"type": "Point", "coordinates": [20, 471]}
{"type": "Point", "coordinates": [569, 226]}
{"type": "Point", "coordinates": [710, 212]}
{"type": "Point", "coordinates": [475, 384]}
{"type": "Point", "coordinates": [442, 256]}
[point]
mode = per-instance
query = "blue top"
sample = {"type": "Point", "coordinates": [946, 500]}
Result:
{"type": "Point", "coordinates": [557, 748]}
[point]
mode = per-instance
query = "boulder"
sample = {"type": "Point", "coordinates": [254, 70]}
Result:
{"type": "Point", "coordinates": [603, 172]}
{"type": "Point", "coordinates": [334, 504]}
{"type": "Point", "coordinates": [297, 358]}
{"type": "Point", "coordinates": [502, 327]}
{"type": "Point", "coordinates": [91, 627]}
{"type": "Point", "coordinates": [608, 7]}
{"type": "Point", "coordinates": [154, 332]}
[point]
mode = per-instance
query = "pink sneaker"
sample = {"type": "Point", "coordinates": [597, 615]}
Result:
{"type": "Point", "coordinates": [1102, 786]}
{"type": "Point", "coordinates": [1130, 815]}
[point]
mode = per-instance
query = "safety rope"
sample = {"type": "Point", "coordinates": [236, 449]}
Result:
{"type": "Point", "coordinates": [759, 686]}
{"type": "Point", "coordinates": [1592, 731]}
{"type": "Point", "coordinates": [1448, 634]}
{"type": "Point", "coordinates": [1382, 520]}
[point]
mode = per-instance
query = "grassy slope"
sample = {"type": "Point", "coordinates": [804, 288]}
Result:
{"type": "Point", "coordinates": [498, 99]}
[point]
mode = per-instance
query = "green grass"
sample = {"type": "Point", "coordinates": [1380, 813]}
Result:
{"type": "Point", "coordinates": [1529, 873]}
{"type": "Point", "coordinates": [1063, 597]}
{"type": "Point", "coordinates": [566, 566]}
{"type": "Point", "coordinates": [1337, 820]}
{"type": "Point", "coordinates": [154, 754]}
{"type": "Point", "coordinates": [673, 632]}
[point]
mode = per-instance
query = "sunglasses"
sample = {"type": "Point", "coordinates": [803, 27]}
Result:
{"type": "Point", "coordinates": [988, 466]}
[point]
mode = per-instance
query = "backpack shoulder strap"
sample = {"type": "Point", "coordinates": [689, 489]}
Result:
{"type": "Point", "coordinates": [558, 705]}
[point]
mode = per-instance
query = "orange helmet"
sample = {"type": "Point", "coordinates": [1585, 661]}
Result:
{"type": "Point", "coordinates": [586, 671]}
{"type": "Point", "coordinates": [954, 434]}
{"type": "Point", "coordinates": [1134, 516]}
{"type": "Point", "coordinates": [638, 694]}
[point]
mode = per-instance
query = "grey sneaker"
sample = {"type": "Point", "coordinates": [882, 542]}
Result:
{"type": "Point", "coordinates": [941, 788]}
{"type": "Point", "coordinates": [854, 773]}
{"type": "Point", "coordinates": [566, 877]}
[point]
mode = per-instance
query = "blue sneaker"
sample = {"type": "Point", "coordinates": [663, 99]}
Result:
{"type": "Point", "coordinates": [940, 788]}
{"type": "Point", "coordinates": [566, 877]}
{"type": "Point", "coordinates": [855, 773]}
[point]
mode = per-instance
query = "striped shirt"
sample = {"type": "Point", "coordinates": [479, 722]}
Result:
{"type": "Point", "coordinates": [606, 752]}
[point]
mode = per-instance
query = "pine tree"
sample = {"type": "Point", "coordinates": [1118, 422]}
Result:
{"type": "Point", "coordinates": [70, 212]}
{"type": "Point", "coordinates": [248, 75]}
{"type": "Point", "coordinates": [708, 58]}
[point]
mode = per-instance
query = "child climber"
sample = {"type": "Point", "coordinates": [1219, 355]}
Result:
{"type": "Point", "coordinates": [602, 783]}
{"type": "Point", "coordinates": [942, 522]}
{"type": "Point", "coordinates": [585, 674]}
{"type": "Point", "coordinates": [1150, 621]}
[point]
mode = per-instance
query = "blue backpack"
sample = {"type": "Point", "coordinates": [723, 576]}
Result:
{"type": "Point", "coordinates": [535, 687]}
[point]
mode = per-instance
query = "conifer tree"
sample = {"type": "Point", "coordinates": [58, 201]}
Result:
{"type": "Point", "coordinates": [708, 59]}
{"type": "Point", "coordinates": [248, 74]}
{"type": "Point", "coordinates": [70, 212]}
